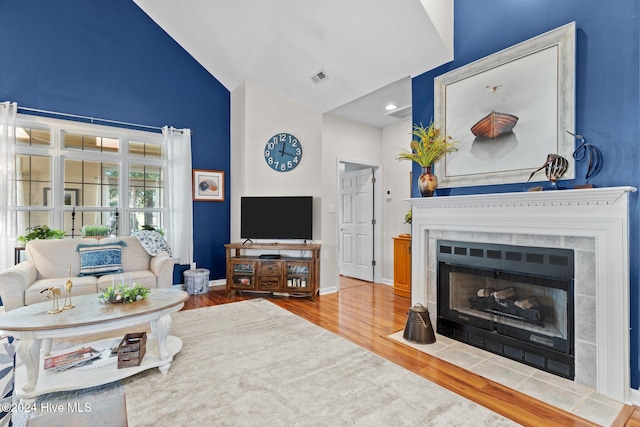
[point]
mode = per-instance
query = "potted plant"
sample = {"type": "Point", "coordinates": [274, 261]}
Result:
{"type": "Point", "coordinates": [408, 217]}
{"type": "Point", "coordinates": [428, 145]}
{"type": "Point", "coordinates": [41, 232]}
{"type": "Point", "coordinates": [95, 230]}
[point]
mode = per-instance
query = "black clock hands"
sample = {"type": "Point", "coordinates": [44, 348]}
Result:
{"type": "Point", "coordinates": [282, 152]}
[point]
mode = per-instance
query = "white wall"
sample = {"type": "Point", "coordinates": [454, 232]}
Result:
{"type": "Point", "coordinates": [395, 138]}
{"type": "Point", "coordinates": [236, 169]}
{"type": "Point", "coordinates": [257, 114]}
{"type": "Point", "coordinates": [351, 142]}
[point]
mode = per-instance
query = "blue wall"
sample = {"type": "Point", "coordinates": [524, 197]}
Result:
{"type": "Point", "coordinates": [108, 59]}
{"type": "Point", "coordinates": [607, 90]}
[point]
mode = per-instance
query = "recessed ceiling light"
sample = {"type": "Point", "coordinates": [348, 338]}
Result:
{"type": "Point", "coordinates": [390, 107]}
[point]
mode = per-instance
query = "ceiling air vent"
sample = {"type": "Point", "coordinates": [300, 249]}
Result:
{"type": "Point", "coordinates": [319, 77]}
{"type": "Point", "coordinates": [401, 113]}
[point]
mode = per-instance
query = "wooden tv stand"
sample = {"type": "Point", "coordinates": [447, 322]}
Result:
{"type": "Point", "coordinates": [292, 275]}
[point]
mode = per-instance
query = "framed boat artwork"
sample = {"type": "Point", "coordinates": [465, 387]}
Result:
{"type": "Point", "coordinates": [508, 111]}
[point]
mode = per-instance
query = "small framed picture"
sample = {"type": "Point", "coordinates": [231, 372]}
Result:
{"type": "Point", "coordinates": [70, 196]}
{"type": "Point", "coordinates": [208, 185]}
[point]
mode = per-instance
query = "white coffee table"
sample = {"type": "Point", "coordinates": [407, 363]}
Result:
{"type": "Point", "coordinates": [32, 326]}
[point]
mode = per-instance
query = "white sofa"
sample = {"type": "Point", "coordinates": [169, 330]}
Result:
{"type": "Point", "coordinates": [47, 263]}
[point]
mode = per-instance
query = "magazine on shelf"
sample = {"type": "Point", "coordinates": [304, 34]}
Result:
{"type": "Point", "coordinates": [69, 360]}
{"type": "Point", "coordinates": [298, 269]}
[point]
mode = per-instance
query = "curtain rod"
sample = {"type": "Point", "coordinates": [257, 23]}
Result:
{"type": "Point", "coordinates": [92, 119]}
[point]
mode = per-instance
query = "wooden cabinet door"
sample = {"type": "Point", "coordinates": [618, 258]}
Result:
{"type": "Point", "coordinates": [299, 276]}
{"type": "Point", "coordinates": [402, 266]}
{"type": "Point", "coordinates": [242, 274]}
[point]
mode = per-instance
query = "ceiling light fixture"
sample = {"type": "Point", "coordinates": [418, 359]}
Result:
{"type": "Point", "coordinates": [390, 107]}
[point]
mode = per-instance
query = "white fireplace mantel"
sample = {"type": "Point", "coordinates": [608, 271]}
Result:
{"type": "Point", "coordinates": [598, 213]}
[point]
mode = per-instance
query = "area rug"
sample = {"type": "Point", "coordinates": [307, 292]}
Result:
{"type": "Point", "coordinates": [252, 363]}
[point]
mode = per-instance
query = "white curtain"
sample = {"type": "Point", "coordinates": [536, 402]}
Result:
{"type": "Point", "coordinates": [8, 111]}
{"type": "Point", "coordinates": [178, 193]}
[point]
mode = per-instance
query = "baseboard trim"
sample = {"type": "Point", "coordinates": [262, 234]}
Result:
{"type": "Point", "coordinates": [331, 290]}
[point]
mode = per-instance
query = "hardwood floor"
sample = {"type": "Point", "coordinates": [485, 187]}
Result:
{"type": "Point", "coordinates": [366, 313]}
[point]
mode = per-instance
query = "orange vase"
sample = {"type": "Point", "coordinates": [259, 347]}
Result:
{"type": "Point", "coordinates": [427, 182]}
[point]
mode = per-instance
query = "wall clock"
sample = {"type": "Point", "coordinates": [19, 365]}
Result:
{"type": "Point", "coordinates": [283, 152]}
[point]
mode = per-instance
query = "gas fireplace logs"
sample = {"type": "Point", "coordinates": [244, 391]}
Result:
{"type": "Point", "coordinates": [485, 292]}
{"type": "Point", "coordinates": [504, 294]}
{"type": "Point", "coordinates": [505, 302]}
{"type": "Point", "coordinates": [527, 303]}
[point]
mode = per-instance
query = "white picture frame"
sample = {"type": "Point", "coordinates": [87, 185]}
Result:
{"type": "Point", "coordinates": [534, 81]}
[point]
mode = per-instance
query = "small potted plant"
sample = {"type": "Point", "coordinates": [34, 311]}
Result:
{"type": "Point", "coordinates": [95, 231]}
{"type": "Point", "coordinates": [41, 232]}
{"type": "Point", "coordinates": [429, 145]}
{"type": "Point", "coordinates": [408, 217]}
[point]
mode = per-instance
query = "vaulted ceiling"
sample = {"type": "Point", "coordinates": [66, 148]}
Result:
{"type": "Point", "coordinates": [367, 50]}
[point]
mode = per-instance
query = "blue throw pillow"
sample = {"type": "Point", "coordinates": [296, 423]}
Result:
{"type": "Point", "coordinates": [98, 260]}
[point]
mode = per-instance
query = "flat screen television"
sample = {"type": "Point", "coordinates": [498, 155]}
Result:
{"type": "Point", "coordinates": [276, 217]}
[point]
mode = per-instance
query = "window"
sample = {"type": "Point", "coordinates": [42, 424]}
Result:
{"type": "Point", "coordinates": [91, 143]}
{"type": "Point", "coordinates": [33, 136]}
{"type": "Point", "coordinates": [145, 194]}
{"type": "Point", "coordinates": [72, 174]}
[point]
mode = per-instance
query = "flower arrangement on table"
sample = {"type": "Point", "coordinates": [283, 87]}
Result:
{"type": "Point", "coordinates": [124, 294]}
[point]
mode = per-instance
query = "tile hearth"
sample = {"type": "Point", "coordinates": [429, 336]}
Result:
{"type": "Point", "coordinates": [565, 394]}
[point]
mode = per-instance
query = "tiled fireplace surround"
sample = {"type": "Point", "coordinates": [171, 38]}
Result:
{"type": "Point", "coordinates": [592, 222]}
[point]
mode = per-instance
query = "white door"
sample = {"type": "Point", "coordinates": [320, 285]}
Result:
{"type": "Point", "coordinates": [356, 224]}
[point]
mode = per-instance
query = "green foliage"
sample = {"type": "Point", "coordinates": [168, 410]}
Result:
{"type": "Point", "coordinates": [41, 232]}
{"type": "Point", "coordinates": [95, 230]}
{"type": "Point", "coordinates": [408, 217]}
{"type": "Point", "coordinates": [111, 173]}
{"type": "Point", "coordinates": [124, 294]}
{"type": "Point", "coordinates": [428, 146]}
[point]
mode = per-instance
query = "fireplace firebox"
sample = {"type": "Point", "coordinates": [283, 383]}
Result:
{"type": "Point", "coordinates": [515, 301]}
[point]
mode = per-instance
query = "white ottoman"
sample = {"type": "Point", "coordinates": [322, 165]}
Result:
{"type": "Point", "coordinates": [196, 281]}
